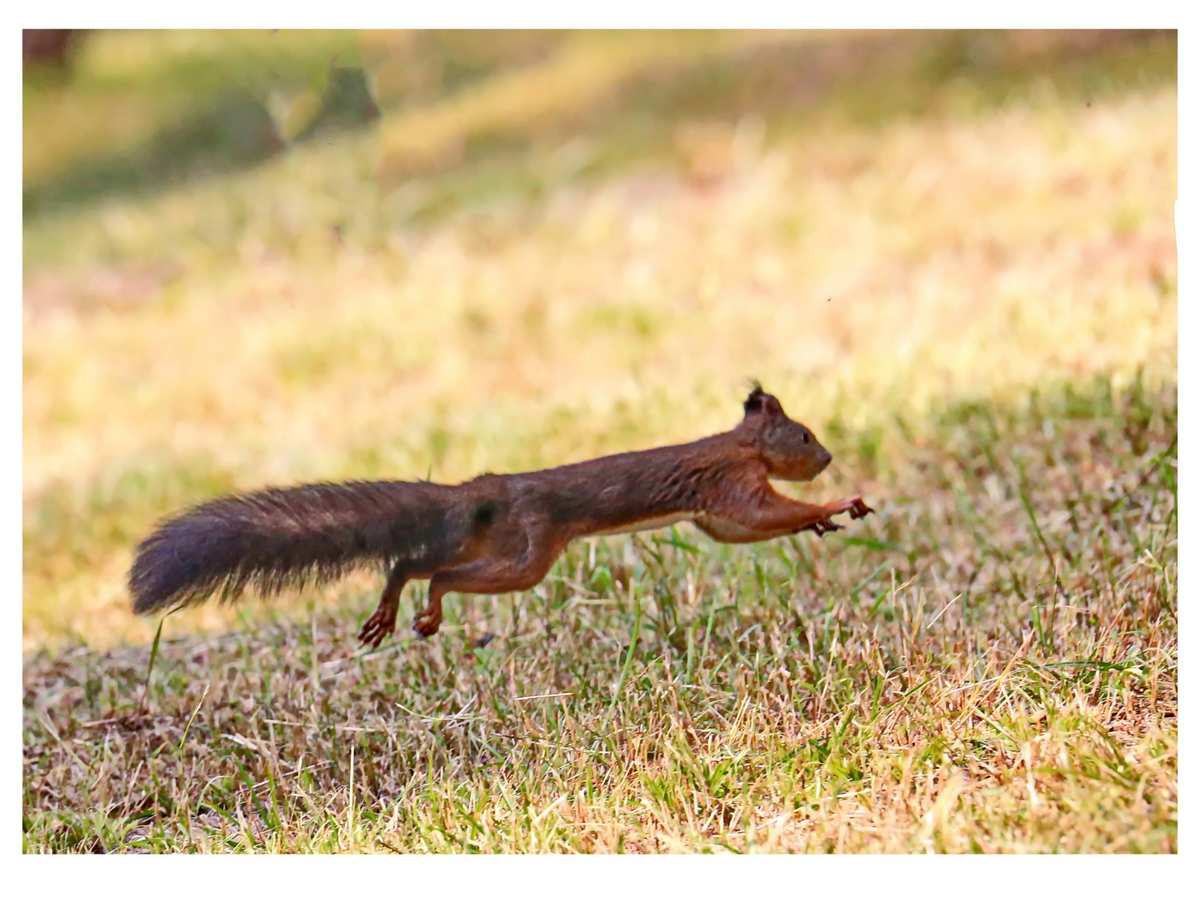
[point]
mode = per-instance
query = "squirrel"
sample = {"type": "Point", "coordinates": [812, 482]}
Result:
{"type": "Point", "coordinates": [491, 534]}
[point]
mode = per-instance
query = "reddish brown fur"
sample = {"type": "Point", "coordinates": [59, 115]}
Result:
{"type": "Point", "coordinates": [720, 482]}
{"type": "Point", "coordinates": [499, 534]}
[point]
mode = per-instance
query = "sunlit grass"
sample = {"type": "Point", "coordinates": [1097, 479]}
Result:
{"type": "Point", "coordinates": [859, 275]}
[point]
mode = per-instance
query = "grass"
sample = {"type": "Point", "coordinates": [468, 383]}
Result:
{"type": "Point", "coordinates": [953, 255]}
{"type": "Point", "coordinates": [988, 666]}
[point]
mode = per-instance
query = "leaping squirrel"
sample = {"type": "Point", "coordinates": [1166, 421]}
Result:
{"type": "Point", "coordinates": [492, 534]}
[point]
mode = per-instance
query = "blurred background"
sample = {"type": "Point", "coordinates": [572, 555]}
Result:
{"type": "Point", "coordinates": [266, 257]}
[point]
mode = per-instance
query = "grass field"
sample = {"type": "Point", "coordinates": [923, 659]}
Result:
{"type": "Point", "coordinates": [281, 257]}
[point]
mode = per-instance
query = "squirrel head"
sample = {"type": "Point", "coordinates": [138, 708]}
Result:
{"type": "Point", "coordinates": [789, 448]}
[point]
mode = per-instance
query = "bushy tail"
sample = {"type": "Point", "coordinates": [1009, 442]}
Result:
{"type": "Point", "coordinates": [286, 538]}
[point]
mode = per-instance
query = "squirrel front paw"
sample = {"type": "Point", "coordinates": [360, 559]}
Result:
{"type": "Point", "coordinates": [855, 507]}
{"type": "Point", "coordinates": [860, 509]}
{"type": "Point", "coordinates": [822, 527]}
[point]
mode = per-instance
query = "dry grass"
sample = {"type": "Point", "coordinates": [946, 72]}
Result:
{"type": "Point", "coordinates": [954, 258]}
{"type": "Point", "coordinates": [923, 684]}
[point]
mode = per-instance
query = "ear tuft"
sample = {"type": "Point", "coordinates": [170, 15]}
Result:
{"type": "Point", "coordinates": [754, 401]}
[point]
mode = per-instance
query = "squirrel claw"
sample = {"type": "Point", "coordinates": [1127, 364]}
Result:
{"type": "Point", "coordinates": [825, 526]}
{"type": "Point", "coordinates": [375, 629]}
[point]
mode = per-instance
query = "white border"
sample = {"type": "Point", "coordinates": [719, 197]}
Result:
{"type": "Point", "coordinates": [612, 14]}
{"type": "Point", "coordinates": [668, 877]}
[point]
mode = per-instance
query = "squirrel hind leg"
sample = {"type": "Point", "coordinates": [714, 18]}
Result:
{"type": "Point", "coordinates": [429, 619]}
{"type": "Point", "coordinates": [383, 621]}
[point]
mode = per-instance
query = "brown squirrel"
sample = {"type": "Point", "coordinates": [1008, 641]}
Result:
{"type": "Point", "coordinates": [492, 534]}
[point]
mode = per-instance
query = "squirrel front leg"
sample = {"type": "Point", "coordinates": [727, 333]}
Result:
{"type": "Point", "coordinates": [855, 507]}
{"type": "Point", "coordinates": [761, 512]}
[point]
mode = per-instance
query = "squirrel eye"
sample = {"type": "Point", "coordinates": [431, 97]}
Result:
{"type": "Point", "coordinates": [806, 437]}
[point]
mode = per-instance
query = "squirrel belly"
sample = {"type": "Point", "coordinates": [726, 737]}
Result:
{"type": "Point", "coordinates": [650, 523]}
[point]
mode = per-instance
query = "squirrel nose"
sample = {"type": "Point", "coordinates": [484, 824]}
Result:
{"type": "Point", "coordinates": [826, 457]}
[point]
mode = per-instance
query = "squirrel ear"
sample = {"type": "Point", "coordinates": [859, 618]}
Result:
{"type": "Point", "coordinates": [754, 401]}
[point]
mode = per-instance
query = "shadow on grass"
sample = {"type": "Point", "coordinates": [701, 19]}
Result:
{"type": "Point", "coordinates": [868, 78]}
{"type": "Point", "coordinates": [232, 133]}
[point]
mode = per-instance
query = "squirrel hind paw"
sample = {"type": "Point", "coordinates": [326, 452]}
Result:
{"type": "Point", "coordinates": [426, 626]}
{"type": "Point", "coordinates": [375, 629]}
